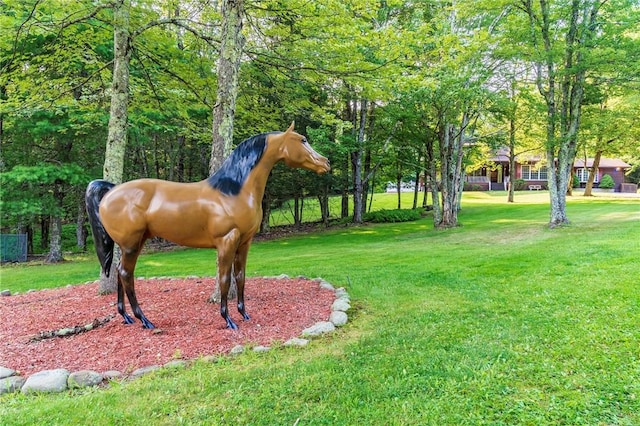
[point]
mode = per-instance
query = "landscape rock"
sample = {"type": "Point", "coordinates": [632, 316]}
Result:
{"type": "Point", "coordinates": [112, 375]}
{"type": "Point", "coordinates": [11, 384]}
{"type": "Point", "coordinates": [318, 329]}
{"type": "Point", "coordinates": [144, 370]}
{"type": "Point", "coordinates": [340, 305]}
{"type": "Point", "coordinates": [237, 350]}
{"type": "Point", "coordinates": [47, 381]}
{"type": "Point", "coordinates": [338, 318]}
{"type": "Point", "coordinates": [296, 341]}
{"type": "Point", "coordinates": [176, 363]}
{"type": "Point", "coordinates": [261, 349]}
{"type": "Point", "coordinates": [84, 378]}
{"type": "Point", "coordinates": [6, 372]}
{"type": "Point", "coordinates": [341, 293]}
{"type": "Point", "coordinates": [210, 358]}
{"type": "Point", "coordinates": [326, 285]}
{"type": "Point", "coordinates": [5, 293]}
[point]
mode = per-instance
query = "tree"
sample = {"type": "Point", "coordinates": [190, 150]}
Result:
{"type": "Point", "coordinates": [561, 38]}
{"type": "Point", "coordinates": [228, 68]}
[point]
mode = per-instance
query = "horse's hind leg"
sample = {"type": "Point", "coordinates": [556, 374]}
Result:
{"type": "Point", "coordinates": [226, 255]}
{"type": "Point", "coordinates": [125, 272]}
{"type": "Point", "coordinates": [239, 266]}
{"type": "Point", "coordinates": [121, 308]}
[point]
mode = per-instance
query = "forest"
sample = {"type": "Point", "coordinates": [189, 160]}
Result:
{"type": "Point", "coordinates": [390, 91]}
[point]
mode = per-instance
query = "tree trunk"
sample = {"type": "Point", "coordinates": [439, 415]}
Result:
{"type": "Point", "coordinates": [356, 160]}
{"type": "Point", "coordinates": [451, 154]}
{"type": "Point", "coordinates": [55, 241]}
{"type": "Point", "coordinates": [113, 170]}
{"type": "Point", "coordinates": [81, 229]}
{"type": "Point", "coordinates": [512, 160]}
{"type": "Point", "coordinates": [399, 190]}
{"type": "Point", "coordinates": [323, 201]}
{"type": "Point", "coordinates": [228, 68]}
{"type": "Point", "coordinates": [266, 213]}
{"type": "Point", "coordinates": [344, 205]}
{"type": "Point", "coordinates": [433, 181]}
{"type": "Point", "coordinates": [415, 190]}
{"type": "Point", "coordinates": [593, 170]}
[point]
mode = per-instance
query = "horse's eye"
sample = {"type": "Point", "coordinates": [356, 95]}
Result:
{"type": "Point", "coordinates": [304, 140]}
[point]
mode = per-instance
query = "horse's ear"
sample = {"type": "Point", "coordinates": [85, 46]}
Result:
{"type": "Point", "coordinates": [290, 129]}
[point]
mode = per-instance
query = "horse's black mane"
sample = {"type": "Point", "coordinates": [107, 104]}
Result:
{"type": "Point", "coordinates": [235, 169]}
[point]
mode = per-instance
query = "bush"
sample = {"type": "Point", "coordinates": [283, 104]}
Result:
{"type": "Point", "coordinates": [519, 185]}
{"type": "Point", "coordinates": [391, 216]}
{"type": "Point", "coordinates": [607, 182]}
{"type": "Point", "coordinates": [576, 181]}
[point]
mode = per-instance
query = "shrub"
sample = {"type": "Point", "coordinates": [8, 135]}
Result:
{"type": "Point", "coordinates": [472, 187]}
{"type": "Point", "coordinates": [519, 185]}
{"type": "Point", "coordinates": [576, 181]}
{"type": "Point", "coordinates": [606, 182]}
{"type": "Point", "coordinates": [390, 216]}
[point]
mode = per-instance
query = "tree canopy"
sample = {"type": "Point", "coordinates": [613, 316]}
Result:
{"type": "Point", "coordinates": [391, 90]}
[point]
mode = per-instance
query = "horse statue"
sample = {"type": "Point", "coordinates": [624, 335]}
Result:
{"type": "Point", "coordinates": [223, 211]}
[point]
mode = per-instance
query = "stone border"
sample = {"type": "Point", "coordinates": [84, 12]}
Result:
{"type": "Point", "coordinates": [60, 379]}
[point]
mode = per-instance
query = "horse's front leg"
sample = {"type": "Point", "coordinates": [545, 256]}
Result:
{"type": "Point", "coordinates": [239, 268]}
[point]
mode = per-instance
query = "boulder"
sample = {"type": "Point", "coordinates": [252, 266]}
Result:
{"type": "Point", "coordinates": [47, 381]}
{"type": "Point", "coordinates": [6, 372]}
{"type": "Point", "coordinates": [318, 329]}
{"type": "Point", "coordinates": [143, 370]}
{"type": "Point", "coordinates": [340, 305]}
{"type": "Point", "coordinates": [296, 341]}
{"type": "Point", "coordinates": [11, 384]}
{"type": "Point", "coordinates": [338, 318]}
{"type": "Point", "coordinates": [84, 379]}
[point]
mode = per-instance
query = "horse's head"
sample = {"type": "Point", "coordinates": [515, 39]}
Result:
{"type": "Point", "coordinates": [296, 152]}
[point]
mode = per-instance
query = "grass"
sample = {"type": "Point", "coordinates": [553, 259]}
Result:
{"type": "Point", "coordinates": [499, 321]}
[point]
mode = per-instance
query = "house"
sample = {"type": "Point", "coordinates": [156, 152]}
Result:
{"type": "Point", "coordinates": [534, 173]}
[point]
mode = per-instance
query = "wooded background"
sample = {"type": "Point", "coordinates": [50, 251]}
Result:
{"type": "Point", "coordinates": [388, 90]}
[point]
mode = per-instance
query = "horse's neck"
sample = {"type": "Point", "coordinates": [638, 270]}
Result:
{"type": "Point", "coordinates": [257, 179]}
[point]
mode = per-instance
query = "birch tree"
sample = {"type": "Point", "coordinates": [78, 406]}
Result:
{"type": "Point", "coordinates": [561, 37]}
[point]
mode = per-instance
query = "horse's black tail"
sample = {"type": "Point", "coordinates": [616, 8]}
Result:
{"type": "Point", "coordinates": [103, 242]}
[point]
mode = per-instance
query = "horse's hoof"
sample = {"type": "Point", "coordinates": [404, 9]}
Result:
{"type": "Point", "coordinates": [127, 319]}
{"type": "Point", "coordinates": [245, 316]}
{"type": "Point", "coordinates": [148, 325]}
{"type": "Point", "coordinates": [232, 325]}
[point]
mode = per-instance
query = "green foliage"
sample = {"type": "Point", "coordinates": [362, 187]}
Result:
{"type": "Point", "coordinates": [392, 216]}
{"type": "Point", "coordinates": [606, 182]}
{"type": "Point", "coordinates": [519, 185]}
{"type": "Point", "coordinates": [575, 182]}
{"type": "Point", "coordinates": [30, 191]}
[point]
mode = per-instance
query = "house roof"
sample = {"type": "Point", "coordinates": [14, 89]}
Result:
{"type": "Point", "coordinates": [502, 156]}
{"type": "Point", "coordinates": [605, 163]}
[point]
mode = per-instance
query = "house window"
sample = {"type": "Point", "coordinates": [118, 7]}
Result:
{"type": "Point", "coordinates": [530, 173]}
{"type": "Point", "coordinates": [583, 175]}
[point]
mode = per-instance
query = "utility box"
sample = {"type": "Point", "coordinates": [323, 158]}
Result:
{"type": "Point", "coordinates": [629, 187]}
{"type": "Point", "coordinates": [13, 247]}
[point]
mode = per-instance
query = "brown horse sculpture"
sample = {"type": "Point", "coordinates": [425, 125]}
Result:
{"type": "Point", "coordinates": [222, 212]}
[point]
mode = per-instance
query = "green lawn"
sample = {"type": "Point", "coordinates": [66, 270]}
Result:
{"type": "Point", "coordinates": [500, 321]}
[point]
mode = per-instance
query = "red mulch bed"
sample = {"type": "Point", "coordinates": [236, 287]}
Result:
{"type": "Point", "coordinates": [189, 326]}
